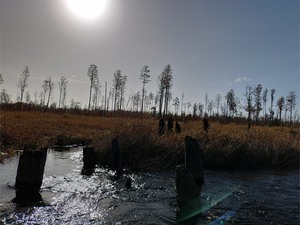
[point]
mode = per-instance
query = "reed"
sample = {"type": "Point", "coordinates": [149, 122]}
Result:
{"type": "Point", "coordinates": [227, 146]}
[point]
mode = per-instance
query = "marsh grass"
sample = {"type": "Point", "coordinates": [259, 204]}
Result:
{"type": "Point", "coordinates": [227, 146]}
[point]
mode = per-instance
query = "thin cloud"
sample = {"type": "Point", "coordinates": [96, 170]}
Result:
{"type": "Point", "coordinates": [240, 79]}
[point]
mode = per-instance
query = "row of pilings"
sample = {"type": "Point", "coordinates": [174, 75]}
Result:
{"type": "Point", "coordinates": [188, 179]}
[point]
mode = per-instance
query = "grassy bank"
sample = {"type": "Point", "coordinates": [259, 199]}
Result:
{"type": "Point", "coordinates": [228, 146]}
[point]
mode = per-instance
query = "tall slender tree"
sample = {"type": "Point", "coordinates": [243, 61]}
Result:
{"type": "Point", "coordinates": [265, 94]}
{"type": "Point", "coordinates": [272, 101]}
{"type": "Point", "coordinates": [145, 78]}
{"type": "Point", "coordinates": [49, 87]}
{"type": "Point", "coordinates": [1, 79]}
{"type": "Point", "coordinates": [231, 102]}
{"type": "Point", "coordinates": [62, 86]}
{"type": "Point", "coordinates": [23, 83]}
{"type": "Point", "coordinates": [218, 102]}
{"type": "Point", "coordinates": [93, 75]}
{"type": "Point", "coordinates": [280, 105]}
{"type": "Point", "coordinates": [257, 100]}
{"type": "Point", "coordinates": [167, 80]}
{"type": "Point", "coordinates": [291, 103]}
{"type": "Point", "coordinates": [117, 84]}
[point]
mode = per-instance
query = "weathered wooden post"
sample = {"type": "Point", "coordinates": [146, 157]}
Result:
{"type": "Point", "coordinates": [30, 174]}
{"type": "Point", "coordinates": [88, 161]}
{"type": "Point", "coordinates": [186, 188]}
{"type": "Point", "coordinates": [194, 159]}
{"type": "Point", "coordinates": [116, 158]}
{"type": "Point", "coordinates": [170, 124]}
{"type": "Point", "coordinates": [161, 126]}
{"type": "Point", "coordinates": [177, 127]}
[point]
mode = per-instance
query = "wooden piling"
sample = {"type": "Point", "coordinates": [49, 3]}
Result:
{"type": "Point", "coordinates": [194, 159]}
{"type": "Point", "coordinates": [187, 191]}
{"type": "Point", "coordinates": [88, 160]}
{"type": "Point", "coordinates": [31, 170]}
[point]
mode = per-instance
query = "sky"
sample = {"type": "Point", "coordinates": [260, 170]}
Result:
{"type": "Point", "coordinates": [212, 45]}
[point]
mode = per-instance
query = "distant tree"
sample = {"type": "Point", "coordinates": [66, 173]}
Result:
{"type": "Point", "coordinates": [272, 101]}
{"type": "Point", "coordinates": [4, 97]}
{"type": "Point", "coordinates": [210, 106]}
{"type": "Point", "coordinates": [200, 109]}
{"type": "Point", "coordinates": [249, 103]}
{"type": "Point", "coordinates": [231, 102]}
{"type": "Point", "coordinates": [151, 99]}
{"type": "Point", "coordinates": [145, 78]}
{"type": "Point", "coordinates": [49, 87]}
{"type": "Point", "coordinates": [23, 83]}
{"type": "Point", "coordinates": [160, 93]}
{"type": "Point", "coordinates": [62, 86]}
{"type": "Point", "coordinates": [257, 100]}
{"type": "Point", "coordinates": [136, 98]}
{"type": "Point", "coordinates": [280, 105]}
{"type": "Point", "coordinates": [182, 97]}
{"type": "Point", "coordinates": [218, 102]}
{"type": "Point", "coordinates": [291, 103]}
{"type": "Point", "coordinates": [167, 80]}
{"type": "Point", "coordinates": [27, 97]}
{"type": "Point", "coordinates": [1, 79]}
{"type": "Point", "coordinates": [176, 103]}
{"type": "Point", "coordinates": [206, 102]}
{"type": "Point", "coordinates": [96, 93]}
{"type": "Point", "coordinates": [93, 75]}
{"type": "Point", "coordinates": [265, 94]}
{"type": "Point", "coordinates": [119, 82]}
{"type": "Point", "coordinates": [122, 91]}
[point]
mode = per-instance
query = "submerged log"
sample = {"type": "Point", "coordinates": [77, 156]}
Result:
{"type": "Point", "coordinates": [88, 161]}
{"type": "Point", "coordinates": [116, 158]}
{"type": "Point", "coordinates": [194, 159]}
{"type": "Point", "coordinates": [31, 170]}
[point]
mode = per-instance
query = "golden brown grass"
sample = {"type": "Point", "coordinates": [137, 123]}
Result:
{"type": "Point", "coordinates": [228, 145]}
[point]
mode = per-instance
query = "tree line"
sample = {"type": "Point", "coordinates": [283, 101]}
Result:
{"type": "Point", "coordinates": [253, 102]}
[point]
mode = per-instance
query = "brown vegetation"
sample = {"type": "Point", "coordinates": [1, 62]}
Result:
{"type": "Point", "coordinates": [228, 146]}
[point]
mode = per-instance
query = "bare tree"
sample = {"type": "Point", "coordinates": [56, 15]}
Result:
{"type": "Point", "coordinates": [117, 86]}
{"type": "Point", "coordinates": [122, 91]}
{"type": "Point", "coordinates": [218, 102]}
{"type": "Point", "coordinates": [176, 103]}
{"type": "Point", "coordinates": [62, 86]}
{"type": "Point", "coordinates": [291, 103]}
{"type": "Point", "coordinates": [1, 79]}
{"type": "Point", "coordinates": [93, 75]}
{"type": "Point", "coordinates": [23, 83]}
{"type": "Point", "coordinates": [160, 93]}
{"type": "Point", "coordinates": [280, 105]}
{"type": "Point", "coordinates": [265, 94]}
{"type": "Point", "coordinates": [249, 103]}
{"type": "Point", "coordinates": [145, 78]}
{"type": "Point", "coordinates": [231, 102]}
{"type": "Point", "coordinates": [49, 87]}
{"type": "Point", "coordinates": [206, 101]}
{"type": "Point", "coordinates": [272, 101]}
{"type": "Point", "coordinates": [167, 80]}
{"type": "Point", "coordinates": [4, 97]}
{"type": "Point", "coordinates": [257, 100]}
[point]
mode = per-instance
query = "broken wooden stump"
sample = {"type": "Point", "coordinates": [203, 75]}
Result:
{"type": "Point", "coordinates": [186, 188]}
{"type": "Point", "coordinates": [88, 161]}
{"type": "Point", "coordinates": [161, 126]}
{"type": "Point", "coordinates": [116, 158]}
{"type": "Point", "coordinates": [30, 174]}
{"type": "Point", "coordinates": [170, 124]}
{"type": "Point", "coordinates": [194, 159]}
{"type": "Point", "coordinates": [177, 127]}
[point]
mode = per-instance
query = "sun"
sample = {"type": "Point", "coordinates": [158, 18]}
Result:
{"type": "Point", "coordinates": [87, 9]}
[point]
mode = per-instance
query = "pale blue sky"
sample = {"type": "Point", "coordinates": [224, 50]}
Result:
{"type": "Point", "coordinates": [211, 45]}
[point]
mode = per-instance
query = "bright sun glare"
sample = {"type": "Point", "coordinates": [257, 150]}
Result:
{"type": "Point", "coordinates": [87, 9]}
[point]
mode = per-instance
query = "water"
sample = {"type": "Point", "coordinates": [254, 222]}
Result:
{"type": "Point", "coordinates": [261, 197]}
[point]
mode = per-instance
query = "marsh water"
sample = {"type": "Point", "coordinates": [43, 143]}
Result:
{"type": "Point", "coordinates": [67, 197]}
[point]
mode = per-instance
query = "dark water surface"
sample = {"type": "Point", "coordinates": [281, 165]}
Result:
{"type": "Point", "coordinates": [260, 197]}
